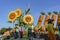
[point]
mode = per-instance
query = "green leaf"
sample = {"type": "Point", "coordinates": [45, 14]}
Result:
{"type": "Point", "coordinates": [42, 13]}
{"type": "Point", "coordinates": [49, 13]}
{"type": "Point", "coordinates": [26, 12]}
{"type": "Point", "coordinates": [55, 12]}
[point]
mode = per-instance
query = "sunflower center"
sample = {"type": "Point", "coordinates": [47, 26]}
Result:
{"type": "Point", "coordinates": [12, 16]}
{"type": "Point", "coordinates": [28, 19]}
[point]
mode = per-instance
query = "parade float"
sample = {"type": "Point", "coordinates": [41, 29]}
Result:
{"type": "Point", "coordinates": [27, 20]}
{"type": "Point", "coordinates": [54, 18]}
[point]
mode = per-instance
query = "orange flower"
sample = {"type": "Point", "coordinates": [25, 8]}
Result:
{"type": "Point", "coordinates": [18, 11]}
{"type": "Point", "coordinates": [12, 16]}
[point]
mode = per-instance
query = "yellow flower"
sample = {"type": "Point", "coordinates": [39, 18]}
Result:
{"type": "Point", "coordinates": [12, 16]}
{"type": "Point", "coordinates": [19, 12]}
{"type": "Point", "coordinates": [28, 19]}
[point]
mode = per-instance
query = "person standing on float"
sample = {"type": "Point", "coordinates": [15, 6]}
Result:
{"type": "Point", "coordinates": [50, 29]}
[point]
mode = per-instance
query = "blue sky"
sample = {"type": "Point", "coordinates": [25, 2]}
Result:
{"type": "Point", "coordinates": [36, 7]}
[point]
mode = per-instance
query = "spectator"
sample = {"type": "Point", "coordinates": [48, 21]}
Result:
{"type": "Point", "coordinates": [21, 29]}
{"type": "Point", "coordinates": [15, 33]}
{"type": "Point", "coordinates": [30, 33]}
{"type": "Point", "coordinates": [38, 34]}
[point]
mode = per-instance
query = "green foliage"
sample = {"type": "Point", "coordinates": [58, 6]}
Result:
{"type": "Point", "coordinates": [9, 21]}
{"type": "Point", "coordinates": [20, 19]}
{"type": "Point", "coordinates": [49, 13]}
{"type": "Point", "coordinates": [55, 12]}
{"type": "Point", "coordinates": [0, 31]}
{"type": "Point", "coordinates": [26, 12]}
{"type": "Point", "coordinates": [3, 30]}
{"type": "Point", "coordinates": [42, 13]}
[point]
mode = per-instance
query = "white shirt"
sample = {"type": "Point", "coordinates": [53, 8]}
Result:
{"type": "Point", "coordinates": [21, 28]}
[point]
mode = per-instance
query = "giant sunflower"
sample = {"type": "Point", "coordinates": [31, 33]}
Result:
{"type": "Point", "coordinates": [12, 16]}
{"type": "Point", "coordinates": [19, 12]}
{"type": "Point", "coordinates": [28, 19]}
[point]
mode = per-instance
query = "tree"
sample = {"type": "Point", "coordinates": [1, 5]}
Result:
{"type": "Point", "coordinates": [0, 31]}
{"type": "Point", "coordinates": [3, 30]}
